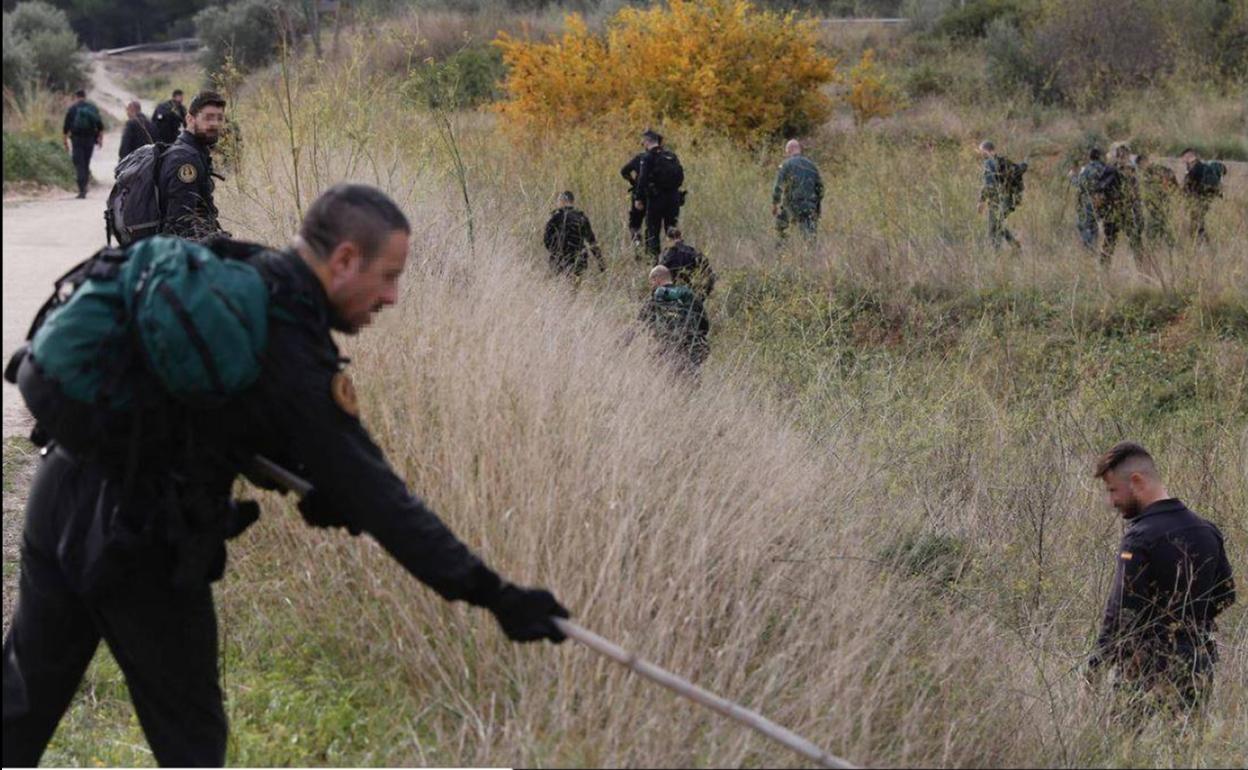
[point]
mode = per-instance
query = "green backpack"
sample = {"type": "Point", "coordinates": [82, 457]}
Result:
{"type": "Point", "coordinates": [87, 119]}
{"type": "Point", "coordinates": [165, 324]}
{"type": "Point", "coordinates": [673, 314]}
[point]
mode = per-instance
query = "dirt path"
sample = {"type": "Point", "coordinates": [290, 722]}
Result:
{"type": "Point", "coordinates": [46, 236]}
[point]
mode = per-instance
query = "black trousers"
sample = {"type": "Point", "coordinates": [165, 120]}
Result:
{"type": "Point", "coordinates": [83, 147]}
{"type": "Point", "coordinates": [164, 640]}
{"type": "Point", "coordinates": [662, 211]}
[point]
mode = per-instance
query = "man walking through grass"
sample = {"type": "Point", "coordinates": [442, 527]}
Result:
{"type": "Point", "coordinates": [126, 551]}
{"type": "Point", "coordinates": [1171, 581]}
{"type": "Point", "coordinates": [999, 194]}
{"type": "Point", "coordinates": [797, 196]}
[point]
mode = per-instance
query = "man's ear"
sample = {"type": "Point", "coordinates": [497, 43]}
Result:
{"type": "Point", "coordinates": [345, 261]}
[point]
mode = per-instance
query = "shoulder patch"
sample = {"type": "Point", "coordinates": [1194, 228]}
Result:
{"type": "Point", "coordinates": [343, 391]}
{"type": "Point", "coordinates": [1126, 556]}
{"type": "Point", "coordinates": [187, 173]}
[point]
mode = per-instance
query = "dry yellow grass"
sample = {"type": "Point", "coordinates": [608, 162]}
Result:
{"type": "Point", "coordinates": [700, 527]}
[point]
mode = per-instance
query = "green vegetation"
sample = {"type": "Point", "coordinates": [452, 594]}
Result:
{"type": "Point", "coordinates": [41, 50]}
{"type": "Point", "coordinates": [30, 159]}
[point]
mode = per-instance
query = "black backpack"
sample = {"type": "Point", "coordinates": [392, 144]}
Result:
{"type": "Point", "coordinates": [1011, 181]}
{"type": "Point", "coordinates": [135, 209]}
{"type": "Point", "coordinates": [668, 175]}
{"type": "Point", "coordinates": [1205, 178]}
{"type": "Point", "coordinates": [1106, 188]}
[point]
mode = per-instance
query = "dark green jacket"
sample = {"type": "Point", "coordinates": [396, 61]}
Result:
{"type": "Point", "coordinates": [798, 185]}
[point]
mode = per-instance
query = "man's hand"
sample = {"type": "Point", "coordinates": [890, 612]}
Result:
{"type": "Point", "coordinates": [525, 614]}
{"type": "Point", "coordinates": [66, 138]}
{"type": "Point", "coordinates": [99, 140]}
{"type": "Point", "coordinates": [639, 205]}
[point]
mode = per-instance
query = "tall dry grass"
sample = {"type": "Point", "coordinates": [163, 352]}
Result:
{"type": "Point", "coordinates": [914, 583]}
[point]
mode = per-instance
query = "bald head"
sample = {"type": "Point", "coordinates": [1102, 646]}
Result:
{"type": "Point", "coordinates": [660, 276]}
{"type": "Point", "coordinates": [793, 147]}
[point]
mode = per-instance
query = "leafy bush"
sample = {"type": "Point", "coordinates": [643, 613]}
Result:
{"type": "Point", "coordinates": [245, 32]}
{"type": "Point", "coordinates": [972, 19]}
{"type": "Point", "coordinates": [30, 18]}
{"type": "Point", "coordinates": [467, 79]}
{"type": "Point", "coordinates": [44, 49]}
{"type": "Point", "coordinates": [38, 160]}
{"type": "Point", "coordinates": [59, 60]}
{"type": "Point", "coordinates": [870, 94]}
{"type": "Point", "coordinates": [19, 61]}
{"type": "Point", "coordinates": [718, 64]}
{"type": "Point", "coordinates": [1011, 66]}
{"type": "Point", "coordinates": [1095, 47]}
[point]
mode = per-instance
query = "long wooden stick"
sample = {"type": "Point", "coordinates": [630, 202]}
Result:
{"type": "Point", "coordinates": [698, 695]}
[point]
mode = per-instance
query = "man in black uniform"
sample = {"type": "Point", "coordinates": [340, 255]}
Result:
{"type": "Point", "coordinates": [570, 238]}
{"type": "Point", "coordinates": [636, 214]}
{"type": "Point", "coordinates": [688, 265]}
{"type": "Point", "coordinates": [83, 131]}
{"type": "Point", "coordinates": [169, 118]}
{"type": "Point", "coordinates": [658, 189]}
{"type": "Point", "coordinates": [1171, 580]}
{"type": "Point", "coordinates": [186, 173]}
{"type": "Point", "coordinates": [138, 132]}
{"type": "Point", "coordinates": [343, 267]}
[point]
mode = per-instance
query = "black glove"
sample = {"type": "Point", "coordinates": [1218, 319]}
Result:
{"type": "Point", "coordinates": [526, 613]}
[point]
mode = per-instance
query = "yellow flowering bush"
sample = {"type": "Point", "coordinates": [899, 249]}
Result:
{"type": "Point", "coordinates": [870, 94]}
{"type": "Point", "coordinates": [723, 65]}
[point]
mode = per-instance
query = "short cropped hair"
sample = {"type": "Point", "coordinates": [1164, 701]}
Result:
{"type": "Point", "coordinates": [80, 93]}
{"type": "Point", "coordinates": [1120, 453]}
{"type": "Point", "coordinates": [206, 99]}
{"type": "Point", "coordinates": [567, 195]}
{"type": "Point", "coordinates": [1189, 150]}
{"type": "Point", "coordinates": [1095, 154]}
{"type": "Point", "coordinates": [177, 92]}
{"type": "Point", "coordinates": [673, 233]}
{"type": "Point", "coordinates": [987, 146]}
{"type": "Point", "coordinates": [652, 135]}
{"type": "Point", "coordinates": [358, 213]}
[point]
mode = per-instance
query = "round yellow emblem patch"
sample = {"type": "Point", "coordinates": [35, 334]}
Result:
{"type": "Point", "coordinates": [187, 173]}
{"type": "Point", "coordinates": [343, 391]}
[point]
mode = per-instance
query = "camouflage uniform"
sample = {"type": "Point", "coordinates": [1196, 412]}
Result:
{"type": "Point", "coordinates": [798, 193]}
{"type": "Point", "coordinates": [1157, 190]}
{"type": "Point", "coordinates": [1124, 213]}
{"type": "Point", "coordinates": [999, 205]}
{"type": "Point", "coordinates": [1089, 227]}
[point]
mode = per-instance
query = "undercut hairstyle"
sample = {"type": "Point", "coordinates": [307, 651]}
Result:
{"type": "Point", "coordinates": [1095, 153]}
{"type": "Point", "coordinates": [987, 146]}
{"type": "Point", "coordinates": [206, 99]}
{"type": "Point", "coordinates": [1125, 453]}
{"type": "Point", "coordinates": [356, 213]}
{"type": "Point", "coordinates": [177, 92]}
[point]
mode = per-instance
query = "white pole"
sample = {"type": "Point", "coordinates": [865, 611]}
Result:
{"type": "Point", "coordinates": [699, 695]}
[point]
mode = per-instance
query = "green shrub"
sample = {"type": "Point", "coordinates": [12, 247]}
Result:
{"type": "Point", "coordinates": [59, 60]}
{"type": "Point", "coordinates": [1011, 66]}
{"type": "Point", "coordinates": [45, 49]}
{"type": "Point", "coordinates": [19, 62]}
{"type": "Point", "coordinates": [933, 555]}
{"type": "Point", "coordinates": [925, 80]}
{"type": "Point", "coordinates": [972, 19]}
{"type": "Point", "coordinates": [468, 78]}
{"type": "Point", "coordinates": [30, 18]}
{"type": "Point", "coordinates": [36, 160]}
{"type": "Point", "coordinates": [245, 32]}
